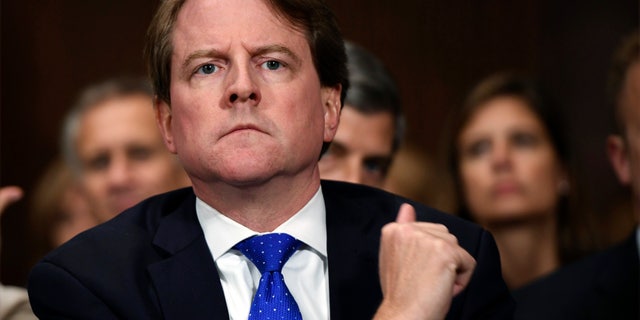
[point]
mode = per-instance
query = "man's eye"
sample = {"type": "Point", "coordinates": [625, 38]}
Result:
{"type": "Point", "coordinates": [335, 150]}
{"type": "Point", "coordinates": [139, 153]}
{"type": "Point", "coordinates": [207, 69]}
{"type": "Point", "coordinates": [272, 65]}
{"type": "Point", "coordinates": [98, 163]}
{"type": "Point", "coordinates": [377, 165]}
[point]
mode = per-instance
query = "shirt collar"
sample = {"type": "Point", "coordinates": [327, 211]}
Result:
{"type": "Point", "coordinates": [307, 225]}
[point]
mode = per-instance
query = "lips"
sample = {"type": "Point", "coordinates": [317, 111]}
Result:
{"type": "Point", "coordinates": [506, 188]}
{"type": "Point", "coordinates": [243, 127]}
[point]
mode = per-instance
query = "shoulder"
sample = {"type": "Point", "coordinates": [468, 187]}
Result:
{"type": "Point", "coordinates": [486, 293]}
{"type": "Point", "coordinates": [578, 275]}
{"type": "Point", "coordinates": [128, 232]}
{"type": "Point", "coordinates": [377, 200]}
{"type": "Point", "coordinates": [363, 202]}
{"type": "Point", "coordinates": [597, 283]}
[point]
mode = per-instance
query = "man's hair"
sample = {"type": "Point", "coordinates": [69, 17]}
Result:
{"type": "Point", "coordinates": [373, 89]}
{"type": "Point", "coordinates": [89, 98]}
{"type": "Point", "coordinates": [625, 55]}
{"type": "Point", "coordinates": [312, 17]}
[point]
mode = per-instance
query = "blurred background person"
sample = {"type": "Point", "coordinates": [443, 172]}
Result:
{"type": "Point", "coordinates": [605, 285]}
{"type": "Point", "coordinates": [417, 174]}
{"type": "Point", "coordinates": [371, 123]}
{"type": "Point", "coordinates": [565, 41]}
{"type": "Point", "coordinates": [14, 302]}
{"type": "Point", "coordinates": [511, 172]}
{"type": "Point", "coordinates": [113, 146]}
{"type": "Point", "coordinates": [59, 209]}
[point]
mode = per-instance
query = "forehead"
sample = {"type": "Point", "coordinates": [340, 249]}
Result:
{"type": "Point", "coordinates": [380, 123]}
{"type": "Point", "coordinates": [124, 106]}
{"type": "Point", "coordinates": [221, 23]}
{"type": "Point", "coordinates": [371, 130]}
{"type": "Point", "coordinates": [130, 115]}
{"type": "Point", "coordinates": [503, 111]}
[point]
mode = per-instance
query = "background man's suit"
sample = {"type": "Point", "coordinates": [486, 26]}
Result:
{"type": "Point", "coordinates": [152, 262]}
{"type": "Point", "coordinates": [603, 286]}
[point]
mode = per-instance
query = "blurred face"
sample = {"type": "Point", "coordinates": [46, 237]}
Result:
{"type": "Point", "coordinates": [123, 158]}
{"type": "Point", "coordinates": [246, 101]}
{"type": "Point", "coordinates": [75, 216]}
{"type": "Point", "coordinates": [508, 167]}
{"type": "Point", "coordinates": [361, 151]}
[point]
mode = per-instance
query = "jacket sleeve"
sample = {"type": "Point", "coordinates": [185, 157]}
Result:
{"type": "Point", "coordinates": [487, 295]}
{"type": "Point", "coordinates": [56, 294]}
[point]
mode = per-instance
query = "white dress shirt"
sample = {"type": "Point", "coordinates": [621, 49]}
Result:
{"type": "Point", "coordinates": [306, 272]}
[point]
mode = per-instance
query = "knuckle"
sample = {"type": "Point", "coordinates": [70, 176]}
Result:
{"type": "Point", "coordinates": [442, 228]}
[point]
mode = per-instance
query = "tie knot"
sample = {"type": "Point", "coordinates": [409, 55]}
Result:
{"type": "Point", "coordinates": [269, 252]}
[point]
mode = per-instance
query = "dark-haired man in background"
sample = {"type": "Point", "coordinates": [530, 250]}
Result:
{"type": "Point", "coordinates": [372, 124]}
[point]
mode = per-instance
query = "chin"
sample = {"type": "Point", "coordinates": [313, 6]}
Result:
{"type": "Point", "coordinates": [247, 175]}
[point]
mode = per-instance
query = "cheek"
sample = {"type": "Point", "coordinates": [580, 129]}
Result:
{"type": "Point", "coordinates": [96, 192]}
{"type": "Point", "coordinates": [189, 109]}
{"type": "Point", "coordinates": [303, 124]}
{"type": "Point", "coordinates": [94, 183]}
{"type": "Point", "coordinates": [542, 178]}
{"type": "Point", "coordinates": [475, 180]}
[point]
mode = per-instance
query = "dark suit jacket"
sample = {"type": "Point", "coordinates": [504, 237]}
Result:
{"type": "Point", "coordinates": [602, 286]}
{"type": "Point", "coordinates": [152, 262]}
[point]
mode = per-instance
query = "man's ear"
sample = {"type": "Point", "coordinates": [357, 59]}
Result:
{"type": "Point", "coordinates": [164, 120]}
{"type": "Point", "coordinates": [619, 158]}
{"type": "Point", "coordinates": [332, 106]}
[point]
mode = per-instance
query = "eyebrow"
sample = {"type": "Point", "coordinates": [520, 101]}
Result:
{"type": "Point", "coordinates": [280, 49]}
{"type": "Point", "coordinates": [259, 51]}
{"type": "Point", "coordinates": [200, 54]}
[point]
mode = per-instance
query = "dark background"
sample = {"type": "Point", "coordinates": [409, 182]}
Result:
{"type": "Point", "coordinates": [436, 49]}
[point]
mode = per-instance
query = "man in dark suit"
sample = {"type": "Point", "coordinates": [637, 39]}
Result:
{"type": "Point", "coordinates": [248, 94]}
{"type": "Point", "coordinates": [605, 285]}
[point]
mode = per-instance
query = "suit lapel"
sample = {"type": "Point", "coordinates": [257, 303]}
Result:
{"type": "Point", "coordinates": [352, 245]}
{"type": "Point", "coordinates": [188, 285]}
{"type": "Point", "coordinates": [187, 281]}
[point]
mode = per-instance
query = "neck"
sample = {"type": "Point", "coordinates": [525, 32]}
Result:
{"type": "Point", "coordinates": [528, 249]}
{"type": "Point", "coordinates": [261, 207]}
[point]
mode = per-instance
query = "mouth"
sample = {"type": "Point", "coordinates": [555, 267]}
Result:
{"type": "Point", "coordinates": [506, 188]}
{"type": "Point", "coordinates": [244, 128]}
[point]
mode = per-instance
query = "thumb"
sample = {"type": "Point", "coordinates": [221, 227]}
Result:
{"type": "Point", "coordinates": [406, 214]}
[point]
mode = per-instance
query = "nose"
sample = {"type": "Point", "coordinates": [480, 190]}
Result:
{"type": "Point", "coordinates": [119, 174]}
{"type": "Point", "coordinates": [501, 157]}
{"type": "Point", "coordinates": [352, 171]}
{"type": "Point", "coordinates": [242, 86]}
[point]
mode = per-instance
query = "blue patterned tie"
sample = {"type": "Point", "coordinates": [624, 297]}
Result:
{"type": "Point", "coordinates": [269, 253]}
